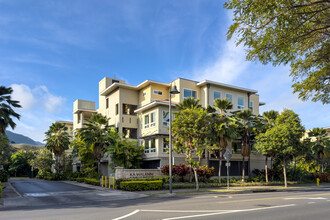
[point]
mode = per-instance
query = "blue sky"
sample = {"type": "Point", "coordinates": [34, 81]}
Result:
{"type": "Point", "coordinates": [54, 52]}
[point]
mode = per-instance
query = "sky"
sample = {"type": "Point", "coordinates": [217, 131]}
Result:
{"type": "Point", "coordinates": [54, 52]}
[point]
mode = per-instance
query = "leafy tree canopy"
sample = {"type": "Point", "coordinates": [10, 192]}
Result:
{"type": "Point", "coordinates": [288, 31]}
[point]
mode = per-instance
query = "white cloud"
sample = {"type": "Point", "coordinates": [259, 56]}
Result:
{"type": "Point", "coordinates": [227, 67]}
{"type": "Point", "coordinates": [23, 94]}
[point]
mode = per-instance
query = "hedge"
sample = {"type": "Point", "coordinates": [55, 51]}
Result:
{"type": "Point", "coordinates": [3, 176]}
{"type": "Point", "coordinates": [80, 179]}
{"type": "Point", "coordinates": [164, 179]}
{"type": "Point", "coordinates": [94, 182]}
{"type": "Point", "coordinates": [0, 189]}
{"type": "Point", "coordinates": [141, 185]}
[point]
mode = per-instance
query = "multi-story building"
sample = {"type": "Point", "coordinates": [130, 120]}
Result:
{"type": "Point", "coordinates": [142, 113]}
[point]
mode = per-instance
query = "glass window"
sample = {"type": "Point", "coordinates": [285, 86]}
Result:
{"type": "Point", "coordinates": [153, 145]}
{"type": "Point", "coordinates": [236, 146]}
{"type": "Point", "coordinates": [240, 102]}
{"type": "Point", "coordinates": [229, 97]}
{"type": "Point", "coordinates": [144, 94]}
{"type": "Point", "coordinates": [152, 119]}
{"type": "Point", "coordinates": [146, 146]}
{"type": "Point", "coordinates": [166, 118]}
{"type": "Point", "coordinates": [107, 103]}
{"type": "Point", "coordinates": [146, 121]}
{"type": "Point", "coordinates": [189, 93]}
{"type": "Point", "coordinates": [251, 105]}
{"type": "Point", "coordinates": [165, 145]}
{"type": "Point", "coordinates": [157, 92]}
{"type": "Point", "coordinates": [216, 95]}
{"type": "Point", "coordinates": [117, 109]}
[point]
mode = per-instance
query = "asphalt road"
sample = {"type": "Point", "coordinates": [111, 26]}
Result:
{"type": "Point", "coordinates": [308, 203]}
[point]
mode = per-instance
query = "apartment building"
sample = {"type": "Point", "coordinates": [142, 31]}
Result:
{"type": "Point", "coordinates": [141, 113]}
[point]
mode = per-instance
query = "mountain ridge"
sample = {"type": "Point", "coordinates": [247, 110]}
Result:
{"type": "Point", "coordinates": [21, 139]}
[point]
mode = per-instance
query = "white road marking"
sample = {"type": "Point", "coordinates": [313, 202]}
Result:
{"type": "Point", "coordinates": [37, 194]}
{"type": "Point", "coordinates": [230, 211]}
{"type": "Point", "coordinates": [183, 211]}
{"type": "Point", "coordinates": [129, 214]}
{"type": "Point", "coordinates": [304, 198]}
{"type": "Point", "coordinates": [311, 202]}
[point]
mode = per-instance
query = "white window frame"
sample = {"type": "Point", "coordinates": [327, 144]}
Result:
{"type": "Point", "coordinates": [191, 93]}
{"type": "Point", "coordinates": [152, 150]}
{"type": "Point", "coordinates": [146, 150]}
{"type": "Point", "coordinates": [157, 92]}
{"type": "Point", "coordinates": [214, 95]}
{"type": "Point", "coordinates": [144, 117]}
{"type": "Point", "coordinates": [166, 123]}
{"type": "Point", "coordinates": [144, 94]}
{"type": "Point", "coordinates": [152, 123]}
{"type": "Point", "coordinates": [165, 149]}
{"type": "Point", "coordinates": [230, 99]}
{"type": "Point", "coordinates": [241, 107]}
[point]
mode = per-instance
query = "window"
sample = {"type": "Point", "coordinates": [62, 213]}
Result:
{"type": "Point", "coordinates": [189, 93]}
{"type": "Point", "coordinates": [117, 109]}
{"type": "Point", "coordinates": [115, 81]}
{"type": "Point", "coordinates": [107, 103]}
{"type": "Point", "coordinates": [79, 118]}
{"type": "Point", "coordinates": [240, 102]}
{"type": "Point", "coordinates": [146, 146]}
{"type": "Point", "coordinates": [216, 95]}
{"type": "Point", "coordinates": [229, 97]}
{"type": "Point", "coordinates": [236, 147]}
{"type": "Point", "coordinates": [251, 105]}
{"type": "Point", "coordinates": [146, 121]}
{"type": "Point", "coordinates": [165, 145]}
{"type": "Point", "coordinates": [166, 118]}
{"type": "Point", "coordinates": [152, 119]}
{"type": "Point", "coordinates": [153, 145]}
{"type": "Point", "coordinates": [144, 94]}
{"type": "Point", "coordinates": [157, 92]}
{"type": "Point", "coordinates": [130, 133]}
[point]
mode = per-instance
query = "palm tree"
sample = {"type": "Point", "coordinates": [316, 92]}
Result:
{"type": "Point", "coordinates": [6, 110]}
{"type": "Point", "coordinates": [189, 102]}
{"type": "Point", "coordinates": [98, 135]}
{"type": "Point", "coordinates": [246, 122]}
{"type": "Point", "coordinates": [226, 130]}
{"type": "Point", "coordinates": [268, 119]}
{"type": "Point", "coordinates": [57, 141]}
{"type": "Point", "coordinates": [318, 146]}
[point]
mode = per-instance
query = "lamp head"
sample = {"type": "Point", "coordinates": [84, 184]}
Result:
{"type": "Point", "coordinates": [174, 90]}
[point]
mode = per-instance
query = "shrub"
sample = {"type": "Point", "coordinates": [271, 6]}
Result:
{"type": "Point", "coordinates": [164, 179]}
{"type": "Point", "coordinates": [80, 179]}
{"type": "Point", "coordinates": [324, 177]}
{"type": "Point", "coordinates": [141, 185]}
{"type": "Point", "coordinates": [180, 170]}
{"type": "Point", "coordinates": [0, 189]}
{"type": "Point", "coordinates": [3, 176]}
{"type": "Point", "coordinates": [94, 182]}
{"type": "Point", "coordinates": [204, 173]}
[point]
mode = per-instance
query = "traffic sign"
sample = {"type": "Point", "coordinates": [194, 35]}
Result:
{"type": "Point", "coordinates": [227, 155]}
{"type": "Point", "coordinates": [228, 164]}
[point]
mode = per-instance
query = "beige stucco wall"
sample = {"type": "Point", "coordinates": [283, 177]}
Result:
{"type": "Point", "coordinates": [255, 99]}
{"type": "Point", "coordinates": [106, 82]}
{"type": "Point", "coordinates": [187, 84]}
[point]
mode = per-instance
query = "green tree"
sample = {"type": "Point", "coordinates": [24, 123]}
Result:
{"type": "Point", "coordinates": [246, 123]}
{"type": "Point", "coordinates": [290, 31]}
{"type": "Point", "coordinates": [267, 121]}
{"type": "Point", "coordinates": [189, 102]}
{"type": "Point", "coordinates": [98, 136]}
{"type": "Point", "coordinates": [19, 165]}
{"type": "Point", "coordinates": [283, 139]}
{"type": "Point", "coordinates": [190, 129]}
{"type": "Point", "coordinates": [43, 161]}
{"type": "Point", "coordinates": [6, 109]}
{"type": "Point", "coordinates": [57, 141]}
{"type": "Point", "coordinates": [319, 145]}
{"type": "Point", "coordinates": [127, 154]}
{"type": "Point", "coordinates": [225, 129]}
{"type": "Point", "coordinates": [5, 150]}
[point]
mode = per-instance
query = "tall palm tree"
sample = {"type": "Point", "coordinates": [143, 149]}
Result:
{"type": "Point", "coordinates": [320, 144]}
{"type": "Point", "coordinates": [268, 120]}
{"type": "Point", "coordinates": [98, 135]}
{"type": "Point", "coordinates": [6, 109]}
{"type": "Point", "coordinates": [57, 141]}
{"type": "Point", "coordinates": [246, 122]}
{"type": "Point", "coordinates": [189, 102]}
{"type": "Point", "coordinates": [226, 130]}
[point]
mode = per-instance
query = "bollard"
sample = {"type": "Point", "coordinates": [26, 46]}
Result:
{"type": "Point", "coordinates": [105, 181]}
{"type": "Point", "coordinates": [113, 183]}
{"type": "Point", "coordinates": [109, 182]}
{"type": "Point", "coordinates": [318, 182]}
{"type": "Point", "coordinates": [102, 182]}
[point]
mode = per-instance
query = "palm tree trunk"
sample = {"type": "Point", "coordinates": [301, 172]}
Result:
{"type": "Point", "coordinates": [284, 173]}
{"type": "Point", "coordinates": [220, 165]}
{"type": "Point", "coordinates": [266, 169]}
{"type": "Point", "coordinates": [196, 179]}
{"type": "Point", "coordinates": [98, 167]}
{"type": "Point", "coordinates": [243, 171]}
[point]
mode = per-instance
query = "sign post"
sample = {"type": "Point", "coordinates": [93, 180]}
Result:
{"type": "Point", "coordinates": [227, 155]}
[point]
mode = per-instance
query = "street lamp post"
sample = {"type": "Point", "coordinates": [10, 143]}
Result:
{"type": "Point", "coordinates": [172, 91]}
